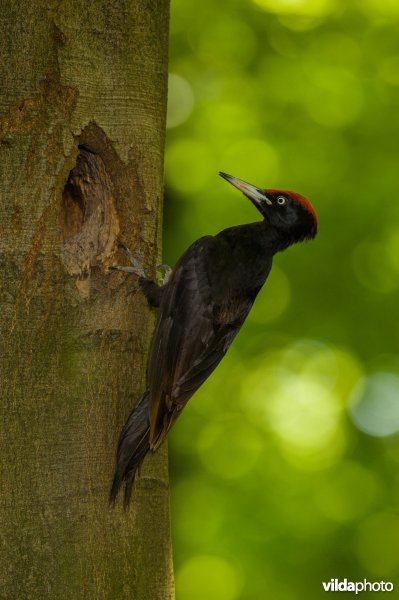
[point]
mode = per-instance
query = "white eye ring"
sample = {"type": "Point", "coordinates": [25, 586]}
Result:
{"type": "Point", "coordinates": [281, 200]}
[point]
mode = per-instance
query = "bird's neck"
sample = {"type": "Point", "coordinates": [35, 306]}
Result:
{"type": "Point", "coordinates": [259, 238]}
{"type": "Point", "coordinates": [269, 238]}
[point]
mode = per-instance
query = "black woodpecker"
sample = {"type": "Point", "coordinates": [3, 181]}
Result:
{"type": "Point", "coordinates": [201, 308]}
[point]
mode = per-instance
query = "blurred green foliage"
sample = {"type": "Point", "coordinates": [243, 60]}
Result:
{"type": "Point", "coordinates": [284, 467]}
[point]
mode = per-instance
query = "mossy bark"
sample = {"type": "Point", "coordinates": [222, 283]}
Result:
{"type": "Point", "coordinates": [82, 120]}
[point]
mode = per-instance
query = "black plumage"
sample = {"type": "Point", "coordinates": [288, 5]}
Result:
{"type": "Point", "coordinates": [201, 309]}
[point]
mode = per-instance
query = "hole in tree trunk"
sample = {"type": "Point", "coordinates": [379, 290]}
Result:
{"type": "Point", "coordinates": [90, 224]}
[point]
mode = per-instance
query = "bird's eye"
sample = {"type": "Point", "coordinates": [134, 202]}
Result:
{"type": "Point", "coordinates": [281, 200]}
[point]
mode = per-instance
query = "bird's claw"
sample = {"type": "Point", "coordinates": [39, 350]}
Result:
{"type": "Point", "coordinates": [165, 271]}
{"type": "Point", "coordinates": [137, 269]}
{"type": "Point", "coordinates": [136, 266]}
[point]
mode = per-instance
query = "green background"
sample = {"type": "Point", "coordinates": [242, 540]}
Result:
{"type": "Point", "coordinates": [284, 466]}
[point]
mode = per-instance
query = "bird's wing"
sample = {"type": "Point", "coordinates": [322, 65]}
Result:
{"type": "Point", "coordinates": [193, 333]}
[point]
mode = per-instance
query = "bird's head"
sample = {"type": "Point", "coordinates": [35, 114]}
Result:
{"type": "Point", "coordinates": [291, 214]}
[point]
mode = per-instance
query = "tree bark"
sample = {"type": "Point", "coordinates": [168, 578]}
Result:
{"type": "Point", "coordinates": [82, 107]}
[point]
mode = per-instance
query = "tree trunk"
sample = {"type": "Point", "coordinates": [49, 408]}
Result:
{"type": "Point", "coordinates": [82, 107]}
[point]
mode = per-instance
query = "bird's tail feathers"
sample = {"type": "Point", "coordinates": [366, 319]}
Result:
{"type": "Point", "coordinates": [133, 445]}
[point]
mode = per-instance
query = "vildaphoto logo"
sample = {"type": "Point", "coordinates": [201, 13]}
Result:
{"type": "Point", "coordinates": [334, 585]}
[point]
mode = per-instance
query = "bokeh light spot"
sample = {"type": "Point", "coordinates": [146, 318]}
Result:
{"type": "Point", "coordinates": [374, 405]}
{"type": "Point", "coordinates": [298, 393]}
{"type": "Point", "coordinates": [207, 577]}
{"type": "Point", "coordinates": [303, 413]}
{"type": "Point", "coordinates": [180, 100]}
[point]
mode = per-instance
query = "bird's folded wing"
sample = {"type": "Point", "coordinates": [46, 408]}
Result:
{"type": "Point", "coordinates": [190, 338]}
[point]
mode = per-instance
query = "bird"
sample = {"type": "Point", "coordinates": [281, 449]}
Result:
{"type": "Point", "coordinates": [202, 306]}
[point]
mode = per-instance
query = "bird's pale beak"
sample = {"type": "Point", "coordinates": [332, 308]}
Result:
{"type": "Point", "coordinates": [256, 195]}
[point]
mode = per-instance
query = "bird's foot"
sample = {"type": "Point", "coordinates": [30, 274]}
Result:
{"type": "Point", "coordinates": [136, 267]}
{"type": "Point", "coordinates": [165, 272]}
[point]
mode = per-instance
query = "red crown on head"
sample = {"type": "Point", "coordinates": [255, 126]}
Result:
{"type": "Point", "coordinates": [298, 198]}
